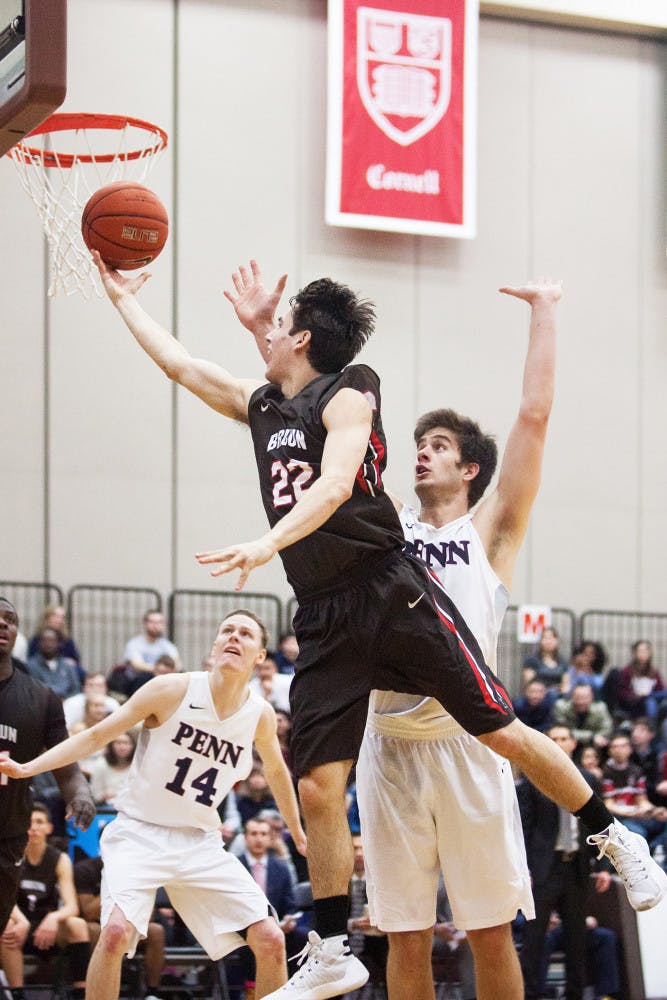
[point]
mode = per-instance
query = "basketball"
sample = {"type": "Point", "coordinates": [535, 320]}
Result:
{"type": "Point", "coordinates": [127, 223]}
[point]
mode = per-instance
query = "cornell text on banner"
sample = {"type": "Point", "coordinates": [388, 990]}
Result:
{"type": "Point", "coordinates": [402, 115]}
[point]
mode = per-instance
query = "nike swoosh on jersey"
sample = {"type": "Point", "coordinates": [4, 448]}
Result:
{"type": "Point", "coordinates": [200, 707]}
{"type": "Point", "coordinates": [413, 604]}
{"type": "Point", "coordinates": [263, 407]}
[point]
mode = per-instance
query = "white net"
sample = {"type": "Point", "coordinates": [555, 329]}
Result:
{"type": "Point", "coordinates": [61, 167]}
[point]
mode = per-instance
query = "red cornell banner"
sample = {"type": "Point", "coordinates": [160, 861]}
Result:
{"type": "Point", "coordinates": [402, 110]}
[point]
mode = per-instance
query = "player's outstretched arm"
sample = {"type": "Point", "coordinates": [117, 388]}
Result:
{"type": "Point", "coordinates": [214, 385]}
{"type": "Point", "coordinates": [155, 700]}
{"type": "Point", "coordinates": [254, 304]}
{"type": "Point", "coordinates": [503, 519]}
{"type": "Point", "coordinates": [348, 420]}
{"type": "Point", "coordinates": [278, 777]}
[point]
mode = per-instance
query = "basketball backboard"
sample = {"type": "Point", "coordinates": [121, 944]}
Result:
{"type": "Point", "coordinates": [33, 65]}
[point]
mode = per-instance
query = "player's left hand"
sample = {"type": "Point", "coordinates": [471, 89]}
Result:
{"type": "Point", "coordinates": [254, 304]}
{"type": "Point", "coordinates": [82, 810]}
{"type": "Point", "coordinates": [244, 557]}
{"type": "Point", "coordinates": [542, 288]}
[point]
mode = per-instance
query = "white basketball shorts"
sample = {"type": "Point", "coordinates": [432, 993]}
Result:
{"type": "Point", "coordinates": [214, 894]}
{"type": "Point", "coordinates": [433, 804]}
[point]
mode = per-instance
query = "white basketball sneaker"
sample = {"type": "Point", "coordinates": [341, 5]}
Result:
{"type": "Point", "coordinates": [645, 882]}
{"type": "Point", "coordinates": [326, 969]}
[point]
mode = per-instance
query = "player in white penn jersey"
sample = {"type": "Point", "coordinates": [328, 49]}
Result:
{"type": "Point", "coordinates": [195, 744]}
{"type": "Point", "coordinates": [462, 813]}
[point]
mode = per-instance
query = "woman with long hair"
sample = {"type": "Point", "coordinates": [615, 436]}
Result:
{"type": "Point", "coordinates": [640, 685]}
{"type": "Point", "coordinates": [111, 772]}
{"type": "Point", "coordinates": [546, 663]}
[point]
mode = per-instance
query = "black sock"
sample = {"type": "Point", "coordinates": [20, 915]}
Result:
{"type": "Point", "coordinates": [78, 956]}
{"type": "Point", "coordinates": [331, 915]}
{"type": "Point", "coordinates": [595, 815]}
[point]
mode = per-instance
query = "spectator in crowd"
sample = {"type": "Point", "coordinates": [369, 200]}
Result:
{"type": "Point", "coordinates": [54, 616]}
{"type": "Point", "coordinates": [601, 946]}
{"type": "Point", "coordinates": [269, 684]}
{"type": "Point", "coordinates": [535, 706]}
{"type": "Point", "coordinates": [368, 943]}
{"type": "Point", "coordinates": [587, 667]}
{"type": "Point", "coordinates": [280, 838]}
{"type": "Point", "coordinates": [52, 669]}
{"type": "Point", "coordinates": [74, 707]}
{"type": "Point", "coordinates": [31, 718]}
{"type": "Point", "coordinates": [660, 797]}
{"type": "Point", "coordinates": [46, 917]}
{"type": "Point", "coordinates": [452, 948]}
{"type": "Point", "coordinates": [253, 795]}
{"type": "Point", "coordinates": [94, 710]}
{"type": "Point", "coordinates": [111, 772]}
{"type": "Point", "coordinates": [646, 751]}
{"type": "Point", "coordinates": [143, 651]}
{"type": "Point", "coordinates": [640, 685]}
{"type": "Point", "coordinates": [284, 722]}
{"type": "Point", "coordinates": [624, 792]}
{"type": "Point", "coordinates": [547, 662]}
{"type": "Point", "coordinates": [273, 876]}
{"type": "Point", "coordinates": [560, 863]}
{"type": "Point", "coordinates": [88, 885]}
{"type": "Point", "coordinates": [165, 664]}
{"type": "Point", "coordinates": [589, 720]}
{"type": "Point", "coordinates": [286, 654]}
{"type": "Point", "coordinates": [590, 759]}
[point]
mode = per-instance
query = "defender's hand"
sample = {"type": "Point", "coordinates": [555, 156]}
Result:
{"type": "Point", "coordinates": [254, 304]}
{"type": "Point", "coordinates": [542, 288]}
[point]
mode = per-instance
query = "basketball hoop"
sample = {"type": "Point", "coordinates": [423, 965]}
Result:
{"type": "Point", "coordinates": [60, 183]}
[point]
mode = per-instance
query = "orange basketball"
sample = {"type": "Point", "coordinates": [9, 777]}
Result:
{"type": "Point", "coordinates": [127, 223]}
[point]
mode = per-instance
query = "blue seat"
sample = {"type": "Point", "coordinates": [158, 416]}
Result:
{"type": "Point", "coordinates": [87, 842]}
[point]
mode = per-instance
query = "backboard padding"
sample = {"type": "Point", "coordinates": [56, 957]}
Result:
{"type": "Point", "coordinates": [33, 73]}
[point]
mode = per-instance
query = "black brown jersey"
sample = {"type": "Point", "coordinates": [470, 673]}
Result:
{"type": "Point", "coordinates": [289, 438]}
{"type": "Point", "coordinates": [31, 720]}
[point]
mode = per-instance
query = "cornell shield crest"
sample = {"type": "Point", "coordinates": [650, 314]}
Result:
{"type": "Point", "coordinates": [404, 70]}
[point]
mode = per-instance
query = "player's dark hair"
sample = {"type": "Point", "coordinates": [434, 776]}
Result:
{"type": "Point", "coordinates": [251, 614]}
{"type": "Point", "coordinates": [339, 321]}
{"type": "Point", "coordinates": [474, 446]}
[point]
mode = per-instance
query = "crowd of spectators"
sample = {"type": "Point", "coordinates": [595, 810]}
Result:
{"type": "Point", "coordinates": [617, 718]}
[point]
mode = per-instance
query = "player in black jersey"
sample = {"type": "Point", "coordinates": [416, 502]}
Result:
{"type": "Point", "coordinates": [369, 615]}
{"type": "Point", "coordinates": [31, 720]}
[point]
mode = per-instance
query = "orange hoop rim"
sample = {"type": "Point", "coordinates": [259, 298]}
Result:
{"type": "Point", "coordinates": [73, 122]}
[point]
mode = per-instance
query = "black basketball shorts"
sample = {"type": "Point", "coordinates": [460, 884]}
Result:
{"type": "Point", "coordinates": [395, 630]}
{"type": "Point", "coordinates": [11, 855]}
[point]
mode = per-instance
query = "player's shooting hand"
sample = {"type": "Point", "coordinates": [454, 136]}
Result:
{"type": "Point", "coordinates": [244, 557]}
{"type": "Point", "coordinates": [254, 304]}
{"type": "Point", "coordinates": [10, 767]}
{"type": "Point", "coordinates": [542, 288]}
{"type": "Point", "coordinates": [45, 933]}
{"type": "Point", "coordinates": [81, 810]}
{"type": "Point", "coordinates": [116, 285]}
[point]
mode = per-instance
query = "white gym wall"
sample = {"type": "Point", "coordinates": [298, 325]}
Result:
{"type": "Point", "coordinates": [111, 477]}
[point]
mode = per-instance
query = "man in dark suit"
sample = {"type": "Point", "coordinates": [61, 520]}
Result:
{"type": "Point", "coordinates": [560, 864]}
{"type": "Point", "coordinates": [273, 876]}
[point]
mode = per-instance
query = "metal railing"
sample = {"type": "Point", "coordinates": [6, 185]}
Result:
{"type": "Point", "coordinates": [194, 617]}
{"type": "Point", "coordinates": [30, 599]}
{"type": "Point", "coordinates": [102, 619]}
{"type": "Point", "coordinates": [618, 630]}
